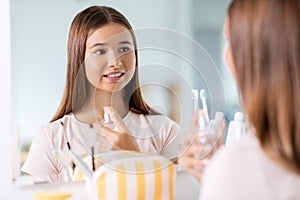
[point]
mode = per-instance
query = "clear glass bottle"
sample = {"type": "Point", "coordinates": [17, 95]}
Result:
{"type": "Point", "coordinates": [213, 134]}
{"type": "Point", "coordinates": [106, 121]}
{"type": "Point", "coordinates": [103, 144]}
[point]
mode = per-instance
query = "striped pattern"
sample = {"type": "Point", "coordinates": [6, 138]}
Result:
{"type": "Point", "coordinates": [121, 181]}
{"type": "Point", "coordinates": [140, 179]}
{"type": "Point", "coordinates": [135, 178]}
{"type": "Point", "coordinates": [158, 180]}
{"type": "Point", "coordinates": [171, 181]}
{"type": "Point", "coordinates": [101, 187]}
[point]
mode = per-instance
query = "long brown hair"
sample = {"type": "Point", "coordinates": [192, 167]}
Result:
{"type": "Point", "coordinates": [76, 89]}
{"type": "Point", "coordinates": [265, 42]}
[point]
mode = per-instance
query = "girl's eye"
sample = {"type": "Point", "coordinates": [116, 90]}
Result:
{"type": "Point", "coordinates": [100, 52]}
{"type": "Point", "coordinates": [124, 49]}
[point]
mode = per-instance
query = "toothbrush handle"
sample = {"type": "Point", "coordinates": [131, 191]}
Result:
{"type": "Point", "coordinates": [62, 159]}
{"type": "Point", "coordinates": [82, 165]}
{"type": "Point", "coordinates": [205, 112]}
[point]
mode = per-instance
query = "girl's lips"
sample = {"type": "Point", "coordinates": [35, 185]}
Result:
{"type": "Point", "coordinates": [114, 76]}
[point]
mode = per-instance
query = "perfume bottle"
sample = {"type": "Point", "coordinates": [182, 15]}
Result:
{"type": "Point", "coordinates": [106, 121]}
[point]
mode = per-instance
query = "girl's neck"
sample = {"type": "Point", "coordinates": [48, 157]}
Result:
{"type": "Point", "coordinates": [93, 109]}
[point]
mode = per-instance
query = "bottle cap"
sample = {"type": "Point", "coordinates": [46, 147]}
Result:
{"type": "Point", "coordinates": [238, 116]}
{"type": "Point", "coordinates": [219, 115]}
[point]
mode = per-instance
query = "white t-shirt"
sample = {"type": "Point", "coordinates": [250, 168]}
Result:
{"type": "Point", "coordinates": [244, 171]}
{"type": "Point", "coordinates": [155, 134]}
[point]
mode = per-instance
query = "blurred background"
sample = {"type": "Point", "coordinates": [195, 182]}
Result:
{"type": "Point", "coordinates": [39, 41]}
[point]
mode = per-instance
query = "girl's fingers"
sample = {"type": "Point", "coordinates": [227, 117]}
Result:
{"type": "Point", "coordinates": [117, 120]}
{"type": "Point", "coordinates": [192, 149]}
{"type": "Point", "coordinates": [196, 173]}
{"type": "Point", "coordinates": [190, 162]}
{"type": "Point", "coordinates": [120, 137]}
{"type": "Point", "coordinates": [110, 134]}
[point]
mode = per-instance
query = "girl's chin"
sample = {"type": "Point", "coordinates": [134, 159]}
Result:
{"type": "Point", "coordinates": [112, 86]}
{"type": "Point", "coordinates": [116, 88]}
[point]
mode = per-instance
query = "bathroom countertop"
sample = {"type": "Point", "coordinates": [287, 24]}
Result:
{"type": "Point", "coordinates": [186, 188]}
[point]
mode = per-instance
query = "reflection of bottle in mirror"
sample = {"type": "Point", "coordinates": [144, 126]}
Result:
{"type": "Point", "coordinates": [215, 127]}
{"type": "Point", "coordinates": [236, 129]}
{"type": "Point", "coordinates": [106, 121]}
{"type": "Point", "coordinates": [213, 134]}
{"type": "Point", "coordinates": [218, 122]}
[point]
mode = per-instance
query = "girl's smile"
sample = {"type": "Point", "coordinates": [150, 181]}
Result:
{"type": "Point", "coordinates": [110, 57]}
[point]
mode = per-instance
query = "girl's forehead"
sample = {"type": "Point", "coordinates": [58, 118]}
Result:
{"type": "Point", "coordinates": [109, 34]}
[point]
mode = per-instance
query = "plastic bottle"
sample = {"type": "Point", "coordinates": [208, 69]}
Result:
{"type": "Point", "coordinates": [236, 129]}
{"type": "Point", "coordinates": [213, 134]}
{"type": "Point", "coordinates": [219, 116]}
{"type": "Point", "coordinates": [214, 128]}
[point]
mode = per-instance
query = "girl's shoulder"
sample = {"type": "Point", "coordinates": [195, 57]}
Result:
{"type": "Point", "coordinates": [55, 126]}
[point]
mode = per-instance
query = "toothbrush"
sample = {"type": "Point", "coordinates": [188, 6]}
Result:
{"type": "Point", "coordinates": [81, 164]}
{"type": "Point", "coordinates": [195, 96]}
{"type": "Point", "coordinates": [76, 160]}
{"type": "Point", "coordinates": [93, 159]}
{"type": "Point", "coordinates": [62, 159]}
{"type": "Point", "coordinates": [68, 143]}
{"type": "Point", "coordinates": [204, 105]}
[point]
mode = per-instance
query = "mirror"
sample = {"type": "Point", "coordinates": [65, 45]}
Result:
{"type": "Point", "coordinates": [39, 31]}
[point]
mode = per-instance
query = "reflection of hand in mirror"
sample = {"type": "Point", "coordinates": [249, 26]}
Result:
{"type": "Point", "coordinates": [102, 71]}
{"type": "Point", "coordinates": [191, 164]}
{"type": "Point", "coordinates": [200, 144]}
{"type": "Point", "coordinates": [120, 136]}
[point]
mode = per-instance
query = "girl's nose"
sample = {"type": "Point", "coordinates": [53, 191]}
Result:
{"type": "Point", "coordinates": [117, 63]}
{"type": "Point", "coordinates": [115, 60]}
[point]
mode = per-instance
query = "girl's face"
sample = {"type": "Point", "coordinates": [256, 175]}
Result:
{"type": "Point", "coordinates": [228, 51]}
{"type": "Point", "coordinates": [109, 57]}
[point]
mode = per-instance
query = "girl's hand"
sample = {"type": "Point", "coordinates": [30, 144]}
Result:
{"type": "Point", "coordinates": [120, 136]}
{"type": "Point", "coordinates": [198, 150]}
{"type": "Point", "coordinates": [191, 164]}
